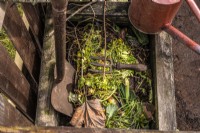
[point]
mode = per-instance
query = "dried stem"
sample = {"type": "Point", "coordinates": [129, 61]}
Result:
{"type": "Point", "coordinates": [79, 46]}
{"type": "Point", "coordinates": [80, 9]}
{"type": "Point", "coordinates": [105, 44]}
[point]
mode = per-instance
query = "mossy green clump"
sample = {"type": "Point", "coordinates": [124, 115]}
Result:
{"type": "Point", "coordinates": [5, 41]}
{"type": "Point", "coordinates": [20, 9]}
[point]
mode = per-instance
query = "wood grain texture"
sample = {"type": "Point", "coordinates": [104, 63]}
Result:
{"type": "Point", "coordinates": [13, 83]}
{"type": "Point", "coordinates": [35, 24]}
{"type": "Point", "coordinates": [116, 12]}
{"type": "Point", "coordinates": [77, 130]}
{"type": "Point", "coordinates": [113, 9]}
{"type": "Point", "coordinates": [23, 43]}
{"type": "Point", "coordinates": [10, 116]}
{"type": "Point", "coordinates": [43, 1]}
{"type": "Point", "coordinates": [164, 82]}
{"type": "Point", "coordinates": [3, 7]}
{"type": "Point", "coordinates": [46, 115]}
{"type": "Point", "coordinates": [32, 1]}
{"type": "Point", "coordinates": [20, 36]}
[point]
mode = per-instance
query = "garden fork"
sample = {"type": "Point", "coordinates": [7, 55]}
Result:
{"type": "Point", "coordinates": [115, 65]}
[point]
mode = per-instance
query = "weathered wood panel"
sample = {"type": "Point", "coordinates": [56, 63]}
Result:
{"type": "Point", "coordinates": [46, 115]}
{"type": "Point", "coordinates": [78, 130]}
{"type": "Point", "coordinates": [12, 81]}
{"type": "Point", "coordinates": [20, 36]}
{"type": "Point", "coordinates": [116, 12]}
{"type": "Point", "coordinates": [35, 24]}
{"type": "Point", "coordinates": [43, 1]}
{"type": "Point", "coordinates": [3, 6]}
{"type": "Point", "coordinates": [10, 116]}
{"type": "Point", "coordinates": [32, 1]}
{"type": "Point", "coordinates": [113, 9]}
{"type": "Point", "coordinates": [164, 82]}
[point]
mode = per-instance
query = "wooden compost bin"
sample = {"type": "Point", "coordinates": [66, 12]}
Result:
{"type": "Point", "coordinates": [24, 93]}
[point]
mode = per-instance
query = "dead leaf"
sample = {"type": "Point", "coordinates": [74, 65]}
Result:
{"type": "Point", "coordinates": [123, 33]}
{"type": "Point", "coordinates": [90, 114]}
{"type": "Point", "coordinates": [149, 110]}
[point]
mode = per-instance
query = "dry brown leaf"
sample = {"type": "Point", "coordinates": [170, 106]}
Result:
{"type": "Point", "coordinates": [90, 114]}
{"type": "Point", "coordinates": [149, 110]}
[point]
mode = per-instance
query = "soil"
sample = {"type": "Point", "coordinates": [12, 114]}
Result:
{"type": "Point", "coordinates": [187, 72]}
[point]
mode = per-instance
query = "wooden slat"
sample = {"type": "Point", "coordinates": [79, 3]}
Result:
{"type": "Point", "coordinates": [117, 12]}
{"type": "Point", "coordinates": [41, 10]}
{"type": "Point", "coordinates": [78, 130]}
{"type": "Point", "coordinates": [43, 1]}
{"type": "Point", "coordinates": [113, 9]}
{"type": "Point", "coordinates": [33, 1]}
{"type": "Point", "coordinates": [2, 12]}
{"type": "Point", "coordinates": [35, 24]}
{"type": "Point", "coordinates": [164, 82]}
{"type": "Point", "coordinates": [47, 77]}
{"type": "Point", "coordinates": [10, 116]}
{"type": "Point", "coordinates": [20, 36]}
{"type": "Point", "coordinates": [12, 82]}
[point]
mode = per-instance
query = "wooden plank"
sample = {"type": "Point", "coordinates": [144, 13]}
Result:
{"type": "Point", "coordinates": [164, 82]}
{"type": "Point", "coordinates": [23, 43]}
{"type": "Point", "coordinates": [113, 9]}
{"type": "Point", "coordinates": [41, 10]}
{"type": "Point", "coordinates": [43, 1]}
{"type": "Point", "coordinates": [10, 116]}
{"type": "Point", "coordinates": [34, 23]}
{"type": "Point", "coordinates": [32, 1]}
{"type": "Point", "coordinates": [3, 6]}
{"type": "Point", "coordinates": [47, 77]}
{"type": "Point", "coordinates": [20, 36]}
{"type": "Point", "coordinates": [116, 12]}
{"type": "Point", "coordinates": [78, 130]}
{"type": "Point", "coordinates": [12, 82]}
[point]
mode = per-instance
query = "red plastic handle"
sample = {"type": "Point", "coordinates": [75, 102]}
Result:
{"type": "Point", "coordinates": [179, 35]}
{"type": "Point", "coordinates": [182, 38]}
{"type": "Point", "coordinates": [166, 2]}
{"type": "Point", "coordinates": [194, 8]}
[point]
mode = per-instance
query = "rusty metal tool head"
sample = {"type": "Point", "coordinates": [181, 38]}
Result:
{"type": "Point", "coordinates": [153, 16]}
{"type": "Point", "coordinates": [60, 92]}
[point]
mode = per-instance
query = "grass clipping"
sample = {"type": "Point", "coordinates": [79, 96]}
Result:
{"type": "Point", "coordinates": [123, 108]}
{"type": "Point", "coordinates": [5, 41]}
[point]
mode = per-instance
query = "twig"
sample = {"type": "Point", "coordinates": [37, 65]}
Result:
{"type": "Point", "coordinates": [138, 87]}
{"type": "Point", "coordinates": [105, 45]}
{"type": "Point", "coordinates": [80, 9]}
{"type": "Point", "coordinates": [81, 61]}
{"type": "Point", "coordinates": [32, 1]}
{"type": "Point", "coordinates": [113, 92]}
{"type": "Point", "coordinates": [79, 46]}
{"type": "Point", "coordinates": [93, 13]}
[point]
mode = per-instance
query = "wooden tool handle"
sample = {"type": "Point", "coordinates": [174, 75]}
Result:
{"type": "Point", "coordinates": [137, 67]}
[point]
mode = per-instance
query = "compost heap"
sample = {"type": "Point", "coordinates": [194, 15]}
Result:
{"type": "Point", "coordinates": [116, 98]}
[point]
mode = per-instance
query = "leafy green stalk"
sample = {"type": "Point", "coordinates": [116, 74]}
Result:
{"type": "Point", "coordinates": [127, 89]}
